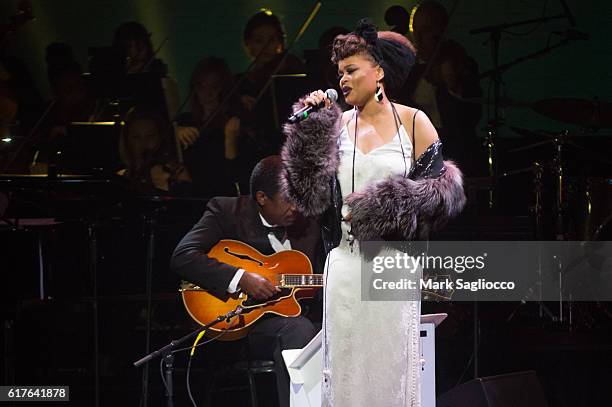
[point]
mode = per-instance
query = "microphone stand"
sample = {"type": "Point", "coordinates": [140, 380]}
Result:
{"type": "Point", "coordinates": [167, 352]}
{"type": "Point", "coordinates": [495, 73]}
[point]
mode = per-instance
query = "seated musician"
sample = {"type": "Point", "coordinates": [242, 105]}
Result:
{"type": "Point", "coordinates": [267, 222]}
{"type": "Point", "coordinates": [133, 42]}
{"type": "Point", "coordinates": [148, 162]}
{"type": "Point", "coordinates": [211, 142]}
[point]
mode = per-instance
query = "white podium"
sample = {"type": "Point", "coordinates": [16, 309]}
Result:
{"type": "Point", "coordinates": [429, 323]}
{"type": "Point", "coordinates": [305, 366]}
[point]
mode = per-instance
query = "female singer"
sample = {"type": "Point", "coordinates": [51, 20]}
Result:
{"type": "Point", "coordinates": [392, 184]}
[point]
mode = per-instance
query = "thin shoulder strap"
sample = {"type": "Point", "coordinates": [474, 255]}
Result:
{"type": "Point", "coordinates": [401, 123]}
{"type": "Point", "coordinates": [348, 133]}
{"type": "Point", "coordinates": [413, 137]}
{"type": "Point", "coordinates": [396, 118]}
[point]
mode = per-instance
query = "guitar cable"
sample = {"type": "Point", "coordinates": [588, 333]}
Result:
{"type": "Point", "coordinates": [192, 348]}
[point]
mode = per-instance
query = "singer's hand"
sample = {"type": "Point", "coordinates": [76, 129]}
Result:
{"type": "Point", "coordinates": [317, 97]}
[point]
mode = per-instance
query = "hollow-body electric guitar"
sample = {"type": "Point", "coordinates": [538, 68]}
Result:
{"type": "Point", "coordinates": [289, 270]}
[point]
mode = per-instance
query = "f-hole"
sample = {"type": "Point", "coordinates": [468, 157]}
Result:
{"type": "Point", "coordinates": [242, 256]}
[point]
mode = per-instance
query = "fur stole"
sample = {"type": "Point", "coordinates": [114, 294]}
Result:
{"type": "Point", "coordinates": [399, 208]}
{"type": "Point", "coordinates": [395, 208]}
{"type": "Point", "coordinates": [310, 159]}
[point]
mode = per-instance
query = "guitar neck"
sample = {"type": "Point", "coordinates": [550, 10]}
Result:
{"type": "Point", "coordinates": [300, 280]}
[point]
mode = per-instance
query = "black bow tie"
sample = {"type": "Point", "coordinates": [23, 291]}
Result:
{"type": "Point", "coordinates": [279, 231]}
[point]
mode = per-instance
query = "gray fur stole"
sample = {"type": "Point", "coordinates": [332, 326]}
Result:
{"type": "Point", "coordinates": [395, 208]}
{"type": "Point", "coordinates": [310, 159]}
{"type": "Point", "coordinates": [399, 208]}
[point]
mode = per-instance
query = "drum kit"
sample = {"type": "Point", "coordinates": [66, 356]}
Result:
{"type": "Point", "coordinates": [582, 204]}
{"type": "Point", "coordinates": [571, 175]}
{"type": "Point", "coordinates": [582, 201]}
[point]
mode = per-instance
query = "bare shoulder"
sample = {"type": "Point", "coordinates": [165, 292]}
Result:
{"type": "Point", "coordinates": [406, 113]}
{"type": "Point", "coordinates": [403, 109]}
{"type": "Point", "coordinates": [425, 133]}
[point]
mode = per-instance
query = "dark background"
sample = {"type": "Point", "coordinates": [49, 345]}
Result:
{"type": "Point", "coordinates": [202, 28]}
{"type": "Point", "coordinates": [51, 341]}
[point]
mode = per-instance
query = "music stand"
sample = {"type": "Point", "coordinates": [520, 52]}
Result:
{"type": "Point", "coordinates": [90, 148]}
{"type": "Point", "coordinates": [121, 91]}
{"type": "Point", "coordinates": [286, 90]}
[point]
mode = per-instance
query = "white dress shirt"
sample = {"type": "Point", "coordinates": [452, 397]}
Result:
{"type": "Point", "coordinates": [276, 245]}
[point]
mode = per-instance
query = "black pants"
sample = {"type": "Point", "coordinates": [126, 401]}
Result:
{"type": "Point", "coordinates": [274, 334]}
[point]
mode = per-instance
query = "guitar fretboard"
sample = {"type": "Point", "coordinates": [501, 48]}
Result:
{"type": "Point", "coordinates": [301, 280]}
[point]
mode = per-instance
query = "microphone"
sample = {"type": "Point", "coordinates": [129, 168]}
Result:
{"type": "Point", "coordinates": [303, 113]}
{"type": "Point", "coordinates": [573, 35]}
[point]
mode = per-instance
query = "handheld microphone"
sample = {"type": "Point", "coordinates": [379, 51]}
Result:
{"type": "Point", "coordinates": [303, 113]}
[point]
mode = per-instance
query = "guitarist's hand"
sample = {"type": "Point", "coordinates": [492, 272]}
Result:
{"type": "Point", "coordinates": [257, 286]}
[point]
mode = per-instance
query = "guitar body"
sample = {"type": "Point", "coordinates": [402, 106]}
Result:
{"type": "Point", "coordinates": [205, 307]}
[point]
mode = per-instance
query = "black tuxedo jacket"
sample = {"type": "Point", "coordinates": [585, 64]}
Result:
{"type": "Point", "coordinates": [236, 218]}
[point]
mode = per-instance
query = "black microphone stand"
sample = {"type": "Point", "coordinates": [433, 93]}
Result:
{"type": "Point", "coordinates": [150, 222]}
{"type": "Point", "coordinates": [167, 352]}
{"type": "Point", "coordinates": [495, 73]}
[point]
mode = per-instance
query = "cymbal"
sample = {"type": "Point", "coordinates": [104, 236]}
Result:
{"type": "Point", "coordinates": [529, 133]}
{"type": "Point", "coordinates": [503, 102]}
{"type": "Point", "coordinates": [546, 137]}
{"type": "Point", "coordinates": [583, 112]}
{"type": "Point", "coordinates": [546, 134]}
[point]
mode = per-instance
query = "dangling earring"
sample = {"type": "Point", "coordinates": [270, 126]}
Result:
{"type": "Point", "coordinates": [378, 95]}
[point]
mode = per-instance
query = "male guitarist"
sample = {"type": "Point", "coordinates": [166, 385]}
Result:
{"type": "Point", "coordinates": [267, 222]}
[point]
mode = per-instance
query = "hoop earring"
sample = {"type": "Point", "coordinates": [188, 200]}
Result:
{"type": "Point", "coordinates": [378, 95]}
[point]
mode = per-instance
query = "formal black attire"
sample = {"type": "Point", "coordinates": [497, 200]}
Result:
{"type": "Point", "coordinates": [238, 218]}
{"type": "Point", "coordinates": [211, 172]}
